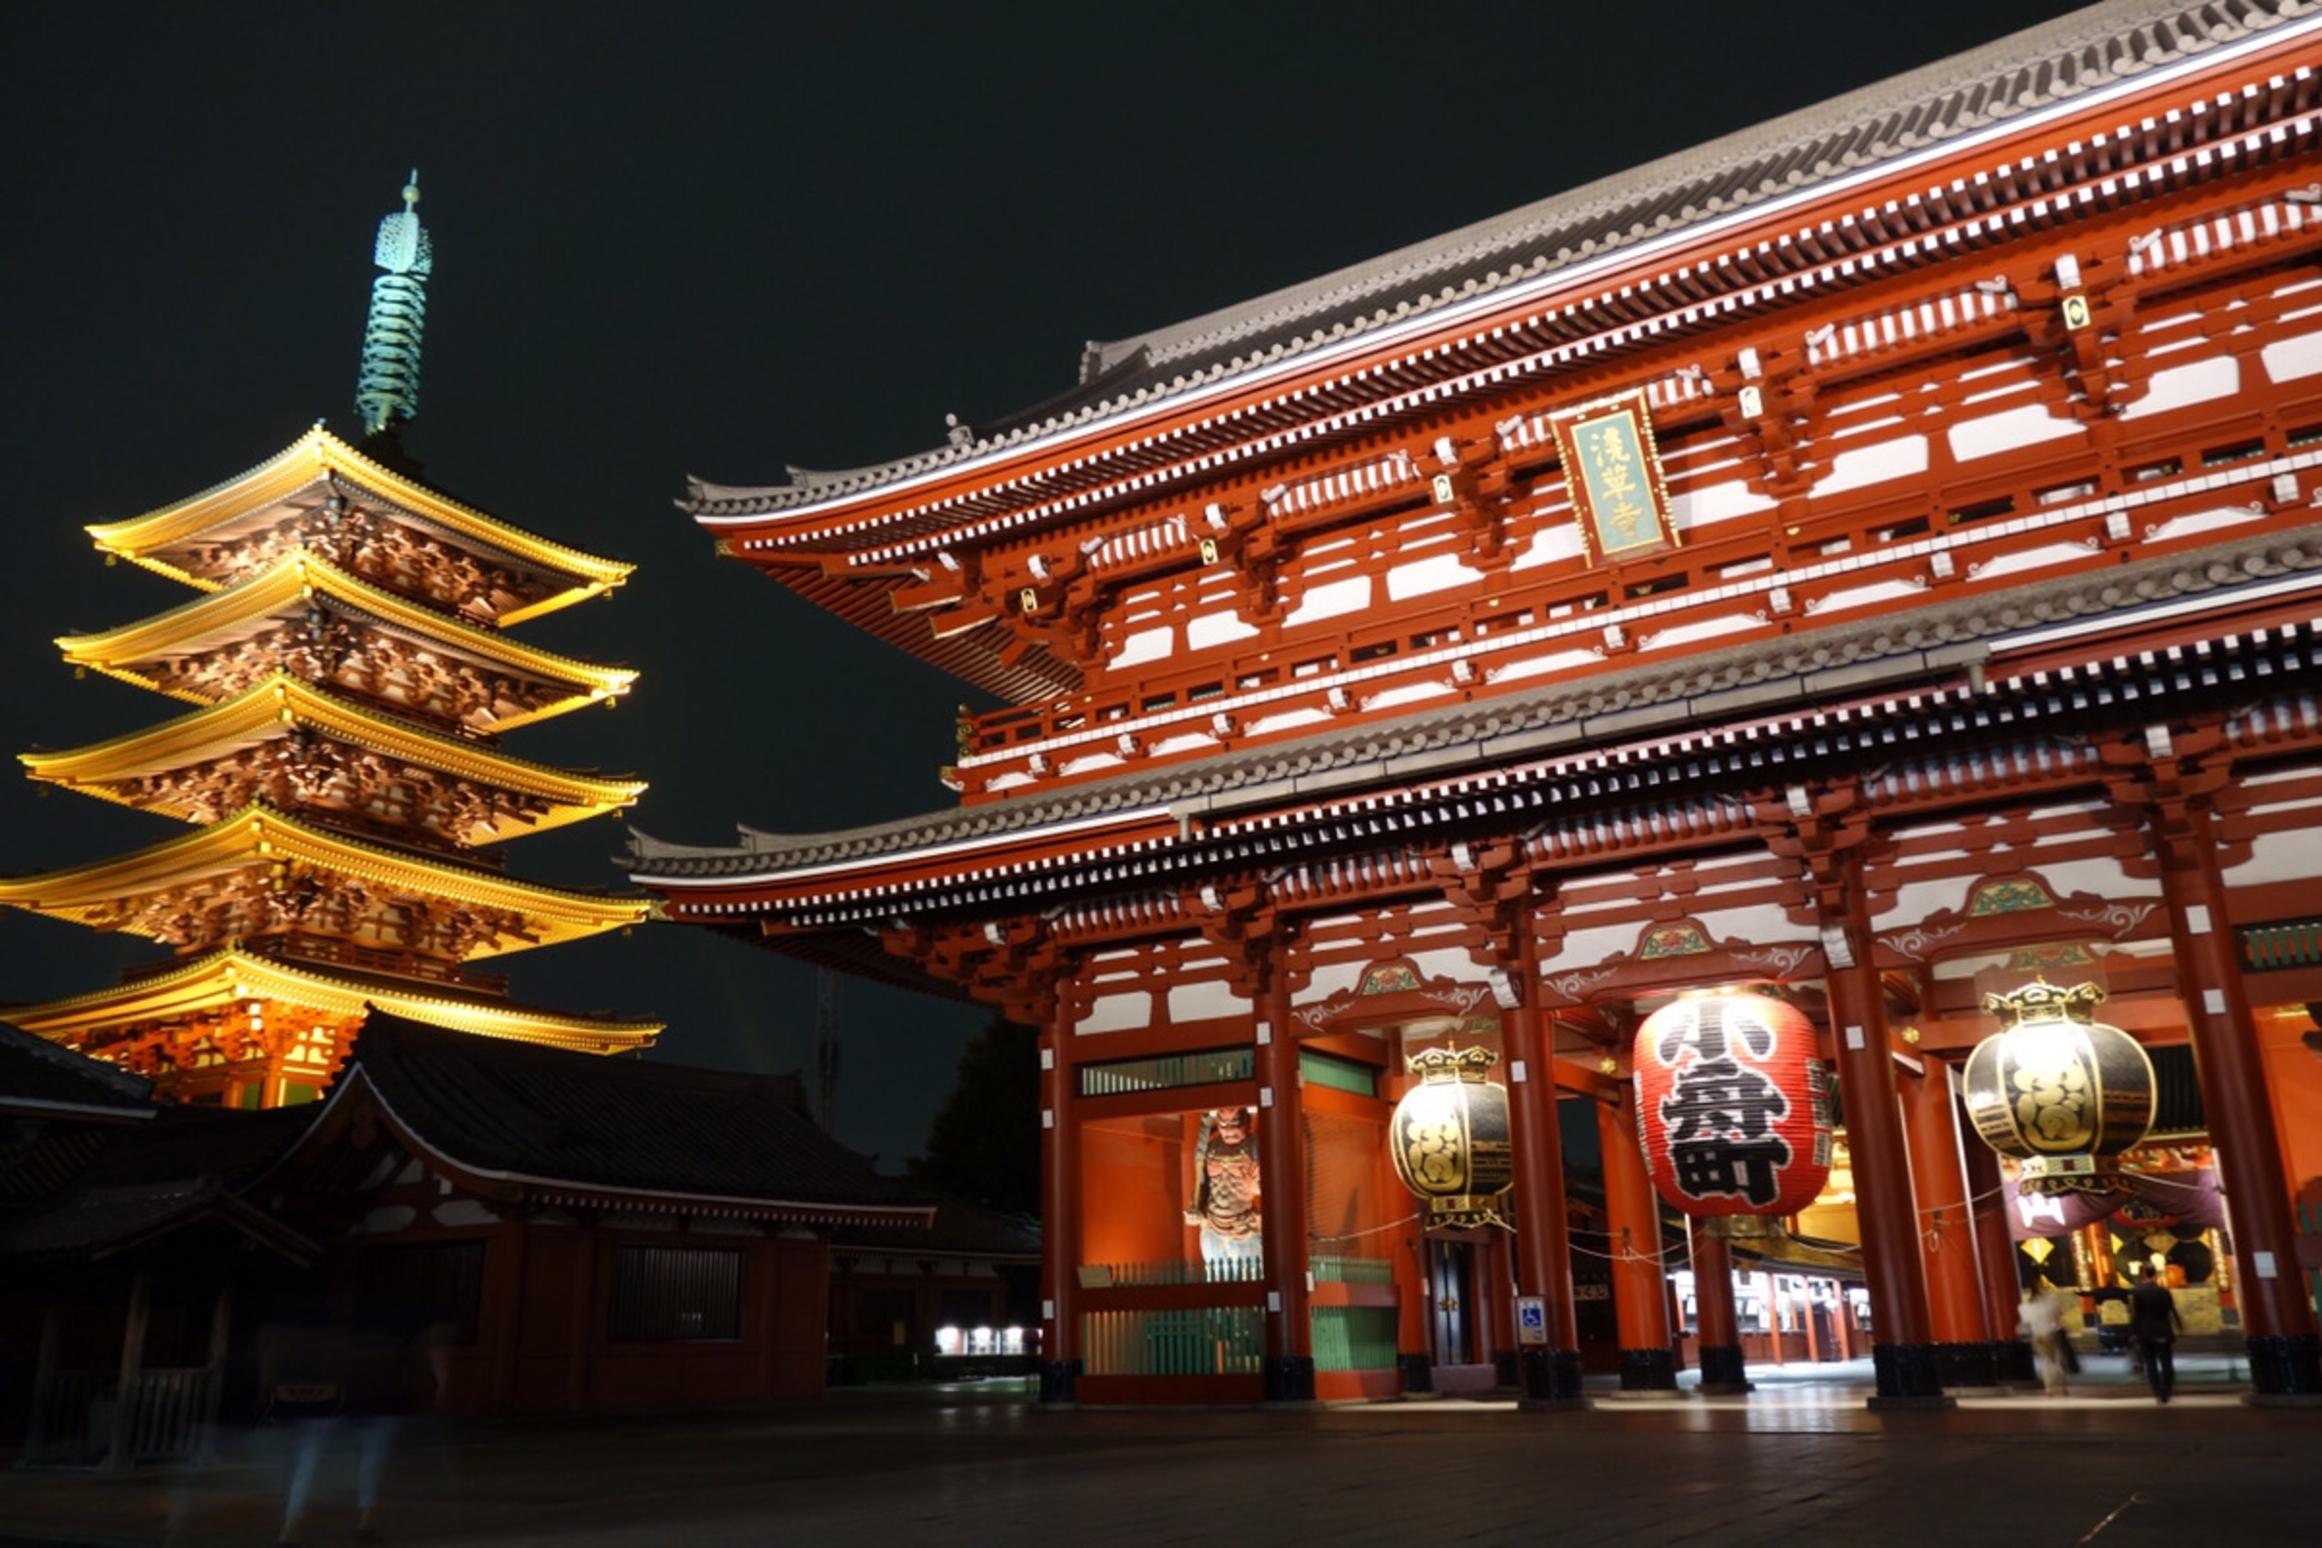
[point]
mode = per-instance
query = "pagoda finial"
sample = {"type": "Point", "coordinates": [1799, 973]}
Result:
{"type": "Point", "coordinates": [387, 391]}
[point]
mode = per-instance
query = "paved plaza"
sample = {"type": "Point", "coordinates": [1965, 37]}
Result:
{"type": "Point", "coordinates": [1799, 1460]}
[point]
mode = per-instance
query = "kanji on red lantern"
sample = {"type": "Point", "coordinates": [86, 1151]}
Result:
{"type": "Point", "coordinates": [1732, 1105]}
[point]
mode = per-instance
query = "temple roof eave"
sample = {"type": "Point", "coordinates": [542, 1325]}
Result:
{"type": "Point", "coordinates": [229, 975]}
{"type": "Point", "coordinates": [1630, 710]}
{"type": "Point", "coordinates": [319, 453]}
{"type": "Point", "coordinates": [295, 578]}
{"type": "Point", "coordinates": [1564, 240]}
{"type": "Point", "coordinates": [259, 835]}
{"type": "Point", "coordinates": [283, 700]}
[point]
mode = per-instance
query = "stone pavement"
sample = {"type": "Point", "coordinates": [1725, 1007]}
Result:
{"type": "Point", "coordinates": [1800, 1459]}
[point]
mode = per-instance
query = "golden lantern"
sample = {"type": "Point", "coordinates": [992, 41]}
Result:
{"type": "Point", "coordinates": [1450, 1137]}
{"type": "Point", "coordinates": [2058, 1089]}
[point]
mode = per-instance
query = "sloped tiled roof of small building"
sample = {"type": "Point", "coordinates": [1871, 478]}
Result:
{"type": "Point", "coordinates": [553, 1117]}
{"type": "Point", "coordinates": [138, 1182]}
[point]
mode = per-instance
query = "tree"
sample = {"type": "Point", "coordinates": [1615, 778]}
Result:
{"type": "Point", "coordinates": [984, 1142]}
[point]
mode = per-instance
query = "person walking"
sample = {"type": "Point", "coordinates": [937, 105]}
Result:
{"type": "Point", "coordinates": [2045, 1327]}
{"type": "Point", "coordinates": [2154, 1318]}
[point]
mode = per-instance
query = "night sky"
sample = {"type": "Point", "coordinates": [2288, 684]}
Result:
{"type": "Point", "coordinates": [716, 240]}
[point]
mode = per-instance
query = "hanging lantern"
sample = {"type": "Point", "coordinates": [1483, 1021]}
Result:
{"type": "Point", "coordinates": [1450, 1137]}
{"type": "Point", "coordinates": [1733, 1105]}
{"type": "Point", "coordinates": [2057, 1089]}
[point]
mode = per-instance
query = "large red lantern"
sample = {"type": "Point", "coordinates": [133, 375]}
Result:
{"type": "Point", "coordinates": [1733, 1105]}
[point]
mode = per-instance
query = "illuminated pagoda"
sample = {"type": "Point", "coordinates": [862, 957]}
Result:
{"type": "Point", "coordinates": [1870, 560]}
{"type": "Point", "coordinates": [341, 773]}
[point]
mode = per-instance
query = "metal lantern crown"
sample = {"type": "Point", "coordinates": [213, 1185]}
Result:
{"type": "Point", "coordinates": [1733, 1105]}
{"type": "Point", "coordinates": [1450, 1136]}
{"type": "Point", "coordinates": [2057, 1089]}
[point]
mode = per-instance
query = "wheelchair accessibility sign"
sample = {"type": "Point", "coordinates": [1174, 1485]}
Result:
{"type": "Point", "coordinates": [1531, 1320]}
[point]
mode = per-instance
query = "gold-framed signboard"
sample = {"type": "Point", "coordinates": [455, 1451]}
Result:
{"type": "Point", "coordinates": [1613, 469]}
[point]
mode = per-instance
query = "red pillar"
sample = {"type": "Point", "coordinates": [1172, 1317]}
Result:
{"type": "Point", "coordinates": [1902, 1350]}
{"type": "Point", "coordinates": [1640, 1286]}
{"type": "Point", "coordinates": [1059, 1218]}
{"type": "Point", "coordinates": [2285, 1354]}
{"type": "Point", "coordinates": [1717, 1335]}
{"type": "Point", "coordinates": [1946, 1235]}
{"type": "Point", "coordinates": [1995, 1254]}
{"type": "Point", "coordinates": [1282, 1155]}
{"type": "Point", "coordinates": [1549, 1373]}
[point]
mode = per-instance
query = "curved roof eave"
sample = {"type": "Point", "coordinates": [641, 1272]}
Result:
{"type": "Point", "coordinates": [2011, 81]}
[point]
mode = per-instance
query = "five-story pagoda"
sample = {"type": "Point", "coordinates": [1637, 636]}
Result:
{"type": "Point", "coordinates": [351, 679]}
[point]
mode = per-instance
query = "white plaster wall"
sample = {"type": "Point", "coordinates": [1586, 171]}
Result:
{"type": "Point", "coordinates": [1118, 1013]}
{"type": "Point", "coordinates": [1287, 721]}
{"type": "Point", "coordinates": [1710, 504]}
{"type": "Point", "coordinates": [1725, 626]}
{"type": "Point", "coordinates": [1586, 948]}
{"type": "Point", "coordinates": [2026, 425]}
{"type": "Point", "coordinates": [2032, 559]}
{"type": "Point", "coordinates": [1764, 924]}
{"type": "Point", "coordinates": [1329, 979]}
{"type": "Point", "coordinates": [2198, 522]}
{"type": "Point", "coordinates": [1437, 572]}
{"type": "Point", "coordinates": [2288, 359]}
{"type": "Point", "coordinates": [1865, 596]}
{"type": "Point", "coordinates": [1216, 629]}
{"type": "Point", "coordinates": [1556, 541]}
{"type": "Point", "coordinates": [1331, 601]}
{"type": "Point", "coordinates": [1207, 1002]}
{"type": "Point", "coordinates": [1156, 644]}
{"type": "Point", "coordinates": [1540, 666]}
{"type": "Point", "coordinates": [2197, 381]}
{"type": "Point", "coordinates": [1863, 466]}
{"type": "Point", "coordinates": [1408, 693]}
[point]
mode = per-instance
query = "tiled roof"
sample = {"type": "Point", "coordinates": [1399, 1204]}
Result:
{"type": "Point", "coordinates": [34, 1070]}
{"type": "Point", "coordinates": [2069, 57]}
{"type": "Point", "coordinates": [960, 1230]}
{"type": "Point", "coordinates": [1790, 673]}
{"type": "Point", "coordinates": [562, 1123]}
{"type": "Point", "coordinates": [182, 1168]}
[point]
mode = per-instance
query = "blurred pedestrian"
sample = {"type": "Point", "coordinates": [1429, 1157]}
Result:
{"type": "Point", "coordinates": [302, 1382]}
{"type": "Point", "coordinates": [2045, 1326]}
{"type": "Point", "coordinates": [2154, 1318]}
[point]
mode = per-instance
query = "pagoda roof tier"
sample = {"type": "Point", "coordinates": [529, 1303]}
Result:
{"type": "Point", "coordinates": [2046, 651]}
{"type": "Point", "coordinates": [1655, 236]}
{"type": "Point", "coordinates": [273, 711]}
{"type": "Point", "coordinates": [258, 838]}
{"type": "Point", "coordinates": [297, 585]}
{"type": "Point", "coordinates": [205, 541]}
{"type": "Point", "coordinates": [229, 977]}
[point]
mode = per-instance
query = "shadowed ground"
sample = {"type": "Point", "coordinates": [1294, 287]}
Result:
{"type": "Point", "coordinates": [983, 1465]}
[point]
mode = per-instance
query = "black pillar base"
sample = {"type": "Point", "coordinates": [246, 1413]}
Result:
{"type": "Point", "coordinates": [1908, 1376]}
{"type": "Point", "coordinates": [1418, 1372]}
{"type": "Point", "coordinates": [1723, 1374]}
{"type": "Point", "coordinates": [1505, 1373]}
{"type": "Point", "coordinates": [1289, 1378]}
{"type": "Point", "coordinates": [2012, 1359]}
{"type": "Point", "coordinates": [2285, 1366]}
{"type": "Point", "coordinates": [1966, 1365]}
{"type": "Point", "coordinates": [1551, 1379]}
{"type": "Point", "coordinates": [1056, 1380]}
{"type": "Point", "coordinates": [1648, 1370]}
